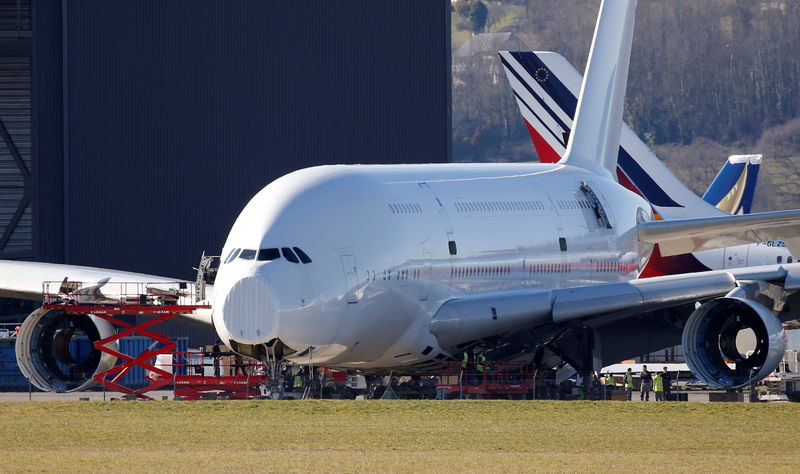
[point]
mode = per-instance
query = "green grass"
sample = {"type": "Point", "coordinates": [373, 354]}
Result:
{"type": "Point", "coordinates": [451, 436]}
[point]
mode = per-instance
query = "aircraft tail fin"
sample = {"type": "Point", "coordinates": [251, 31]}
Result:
{"type": "Point", "coordinates": [594, 142]}
{"type": "Point", "coordinates": [733, 189]}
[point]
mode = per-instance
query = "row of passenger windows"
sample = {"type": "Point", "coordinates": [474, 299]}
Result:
{"type": "Point", "coordinates": [405, 274]}
{"type": "Point", "coordinates": [494, 206]}
{"type": "Point", "coordinates": [466, 272]}
{"type": "Point", "coordinates": [411, 208]}
{"type": "Point", "coordinates": [266, 255]}
{"type": "Point", "coordinates": [780, 259]}
{"type": "Point", "coordinates": [573, 204]}
{"type": "Point", "coordinates": [481, 271]}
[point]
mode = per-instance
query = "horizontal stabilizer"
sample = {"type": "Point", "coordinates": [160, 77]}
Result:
{"type": "Point", "coordinates": [680, 236]}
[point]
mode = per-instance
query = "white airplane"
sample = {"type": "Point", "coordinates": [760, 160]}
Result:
{"type": "Point", "coordinates": [398, 267]}
{"type": "Point", "coordinates": [546, 88]}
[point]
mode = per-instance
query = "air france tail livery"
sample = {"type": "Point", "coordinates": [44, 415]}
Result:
{"type": "Point", "coordinates": [379, 268]}
{"type": "Point", "coordinates": [546, 85]}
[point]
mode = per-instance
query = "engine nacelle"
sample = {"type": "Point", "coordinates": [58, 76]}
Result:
{"type": "Point", "coordinates": [43, 350]}
{"type": "Point", "coordinates": [710, 337]}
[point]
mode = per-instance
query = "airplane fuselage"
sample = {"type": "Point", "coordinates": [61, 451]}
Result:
{"type": "Point", "coordinates": [389, 244]}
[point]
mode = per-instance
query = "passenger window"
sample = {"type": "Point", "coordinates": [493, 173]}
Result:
{"type": "Point", "coordinates": [789, 259]}
{"type": "Point", "coordinates": [289, 255]}
{"type": "Point", "coordinates": [247, 254]}
{"type": "Point", "coordinates": [780, 259]}
{"type": "Point", "coordinates": [266, 255]}
{"type": "Point", "coordinates": [303, 257]}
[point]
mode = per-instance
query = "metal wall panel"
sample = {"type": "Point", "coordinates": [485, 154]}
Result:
{"type": "Point", "coordinates": [16, 224]}
{"type": "Point", "coordinates": [47, 147]}
{"type": "Point", "coordinates": [178, 112]}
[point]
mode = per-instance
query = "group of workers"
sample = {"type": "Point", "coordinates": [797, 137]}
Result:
{"type": "Point", "coordinates": [217, 353]}
{"type": "Point", "coordinates": [660, 384]}
{"type": "Point", "coordinates": [474, 373]}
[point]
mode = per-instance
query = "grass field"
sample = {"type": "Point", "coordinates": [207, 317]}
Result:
{"type": "Point", "coordinates": [449, 436]}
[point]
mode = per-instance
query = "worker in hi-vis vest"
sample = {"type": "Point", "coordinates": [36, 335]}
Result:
{"type": "Point", "coordinates": [297, 384]}
{"type": "Point", "coordinates": [479, 366]}
{"type": "Point", "coordinates": [628, 384]}
{"type": "Point", "coordinates": [610, 384]}
{"type": "Point", "coordinates": [464, 368]}
{"type": "Point", "coordinates": [658, 387]}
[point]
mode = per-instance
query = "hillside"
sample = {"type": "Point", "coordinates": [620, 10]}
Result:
{"type": "Point", "coordinates": [707, 79]}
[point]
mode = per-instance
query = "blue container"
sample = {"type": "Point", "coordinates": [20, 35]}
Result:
{"type": "Point", "coordinates": [133, 346]}
{"type": "Point", "coordinates": [11, 379]}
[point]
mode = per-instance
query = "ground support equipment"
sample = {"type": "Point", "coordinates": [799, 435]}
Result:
{"type": "Point", "coordinates": [159, 302]}
{"type": "Point", "coordinates": [509, 379]}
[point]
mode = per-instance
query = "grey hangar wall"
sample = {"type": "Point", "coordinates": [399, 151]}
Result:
{"type": "Point", "coordinates": [150, 124]}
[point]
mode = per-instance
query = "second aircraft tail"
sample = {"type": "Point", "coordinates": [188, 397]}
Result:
{"type": "Point", "coordinates": [546, 86]}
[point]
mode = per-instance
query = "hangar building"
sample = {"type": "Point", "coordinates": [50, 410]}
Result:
{"type": "Point", "coordinates": [133, 133]}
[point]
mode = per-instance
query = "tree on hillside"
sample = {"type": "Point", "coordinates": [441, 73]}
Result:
{"type": "Point", "coordinates": [477, 16]}
{"type": "Point", "coordinates": [707, 79]}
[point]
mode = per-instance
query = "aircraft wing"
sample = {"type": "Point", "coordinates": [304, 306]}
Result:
{"type": "Point", "coordinates": [477, 316]}
{"type": "Point", "coordinates": [487, 314]}
{"type": "Point", "coordinates": [691, 235]}
{"type": "Point", "coordinates": [24, 280]}
{"type": "Point", "coordinates": [701, 311]}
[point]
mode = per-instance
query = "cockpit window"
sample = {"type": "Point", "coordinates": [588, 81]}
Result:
{"type": "Point", "coordinates": [266, 255]}
{"type": "Point", "coordinates": [247, 254]}
{"type": "Point", "coordinates": [303, 257]}
{"type": "Point", "coordinates": [289, 255]}
{"type": "Point", "coordinates": [231, 255]}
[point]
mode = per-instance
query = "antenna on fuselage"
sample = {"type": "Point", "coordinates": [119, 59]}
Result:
{"type": "Point", "coordinates": [594, 141]}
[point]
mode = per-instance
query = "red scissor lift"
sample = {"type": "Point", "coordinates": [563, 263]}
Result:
{"type": "Point", "coordinates": [158, 301]}
{"type": "Point", "coordinates": [498, 380]}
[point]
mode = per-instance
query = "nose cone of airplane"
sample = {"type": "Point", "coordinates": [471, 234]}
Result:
{"type": "Point", "coordinates": [249, 311]}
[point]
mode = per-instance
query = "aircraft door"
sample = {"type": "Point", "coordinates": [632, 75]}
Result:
{"type": "Point", "coordinates": [549, 230]}
{"type": "Point", "coordinates": [440, 210]}
{"type": "Point", "coordinates": [351, 277]}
